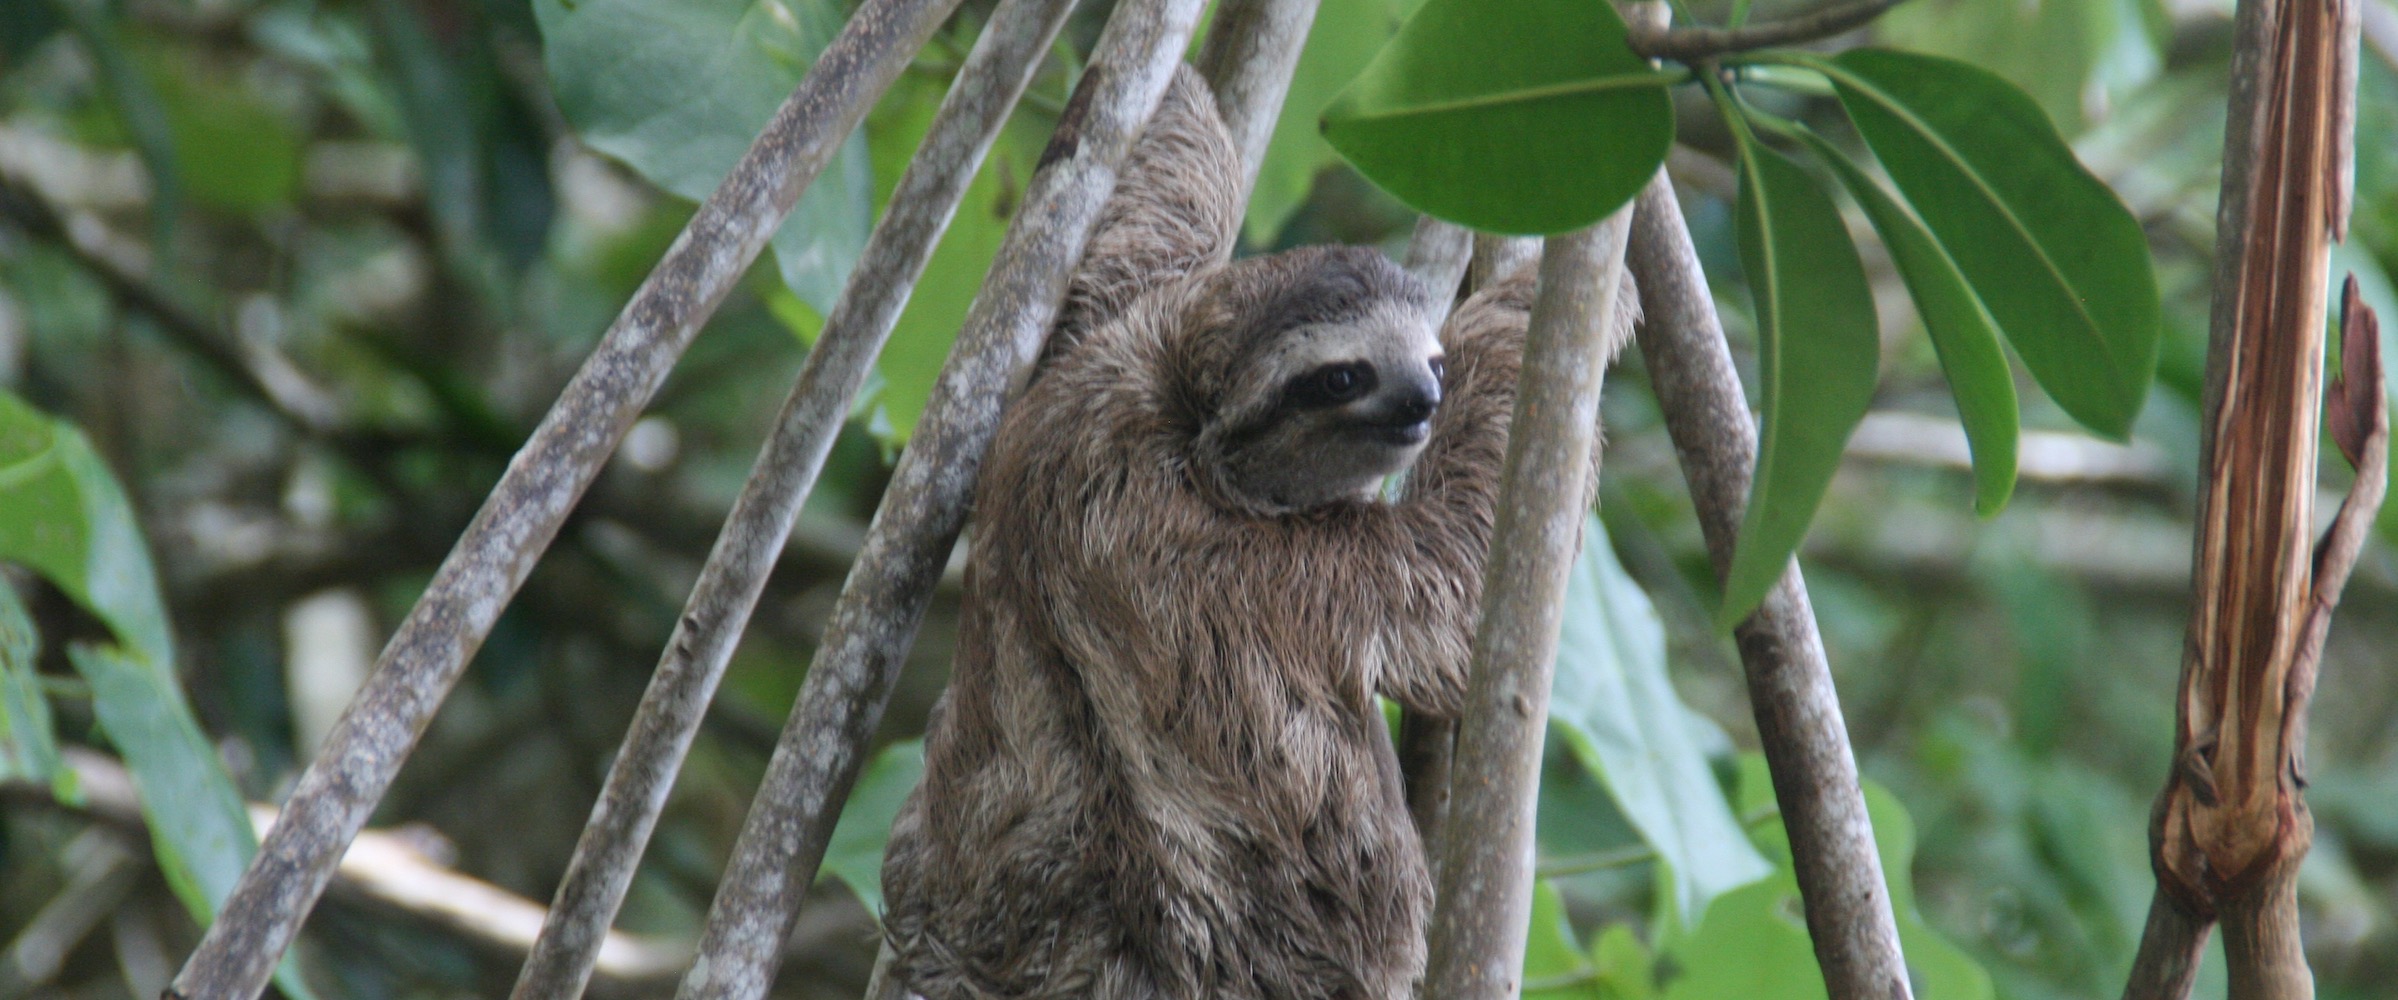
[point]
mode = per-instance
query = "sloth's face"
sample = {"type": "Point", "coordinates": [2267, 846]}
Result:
{"type": "Point", "coordinates": [1336, 387]}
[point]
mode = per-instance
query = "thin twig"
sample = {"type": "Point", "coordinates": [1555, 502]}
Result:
{"type": "Point", "coordinates": [783, 841]}
{"type": "Point", "coordinates": [431, 647]}
{"type": "Point", "coordinates": [1479, 915]}
{"type": "Point", "coordinates": [986, 88]}
{"type": "Point", "coordinates": [1693, 44]}
{"type": "Point", "coordinates": [1790, 684]}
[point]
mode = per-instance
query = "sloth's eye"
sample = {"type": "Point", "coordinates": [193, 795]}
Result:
{"type": "Point", "coordinates": [1330, 385]}
{"type": "Point", "coordinates": [1440, 369]}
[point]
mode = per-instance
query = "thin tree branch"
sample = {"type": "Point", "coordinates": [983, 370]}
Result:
{"type": "Point", "coordinates": [1479, 915]}
{"type": "Point", "coordinates": [1693, 44]}
{"type": "Point", "coordinates": [1790, 684]}
{"type": "Point", "coordinates": [1251, 50]}
{"type": "Point", "coordinates": [1439, 253]}
{"type": "Point", "coordinates": [823, 744]}
{"type": "Point", "coordinates": [745, 553]}
{"type": "Point", "coordinates": [416, 671]}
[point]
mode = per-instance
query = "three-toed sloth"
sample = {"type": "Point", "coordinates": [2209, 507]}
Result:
{"type": "Point", "coordinates": [1160, 770]}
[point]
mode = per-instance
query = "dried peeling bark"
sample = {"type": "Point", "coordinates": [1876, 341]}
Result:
{"type": "Point", "coordinates": [1479, 915]}
{"type": "Point", "coordinates": [987, 87]}
{"type": "Point", "coordinates": [2231, 826]}
{"type": "Point", "coordinates": [533, 497]}
{"type": "Point", "coordinates": [875, 619]}
{"type": "Point", "coordinates": [1790, 684]}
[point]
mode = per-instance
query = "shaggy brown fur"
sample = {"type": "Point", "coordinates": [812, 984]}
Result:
{"type": "Point", "coordinates": [1159, 770]}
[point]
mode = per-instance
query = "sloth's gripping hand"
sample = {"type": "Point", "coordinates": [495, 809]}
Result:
{"type": "Point", "coordinates": [1452, 493]}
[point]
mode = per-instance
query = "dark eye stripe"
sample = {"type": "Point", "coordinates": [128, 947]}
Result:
{"type": "Point", "coordinates": [1330, 385]}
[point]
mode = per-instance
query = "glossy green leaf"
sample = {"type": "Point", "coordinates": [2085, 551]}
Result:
{"type": "Point", "coordinates": [677, 91]}
{"type": "Point", "coordinates": [63, 516]}
{"type": "Point", "coordinates": [1962, 332]}
{"type": "Point", "coordinates": [1344, 38]}
{"type": "Point", "coordinates": [1531, 116]}
{"type": "Point", "coordinates": [1611, 700]}
{"type": "Point", "coordinates": [855, 854]}
{"type": "Point", "coordinates": [2059, 261]}
{"type": "Point", "coordinates": [28, 741]}
{"type": "Point", "coordinates": [1817, 349]}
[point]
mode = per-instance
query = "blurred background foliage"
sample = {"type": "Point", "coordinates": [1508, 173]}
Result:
{"type": "Point", "coordinates": [303, 272]}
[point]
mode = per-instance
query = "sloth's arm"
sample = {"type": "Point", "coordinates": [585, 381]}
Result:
{"type": "Point", "coordinates": [1176, 209]}
{"type": "Point", "coordinates": [1440, 529]}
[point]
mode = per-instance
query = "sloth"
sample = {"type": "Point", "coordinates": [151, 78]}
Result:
{"type": "Point", "coordinates": [1160, 770]}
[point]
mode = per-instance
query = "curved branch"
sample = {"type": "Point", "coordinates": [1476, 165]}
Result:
{"type": "Point", "coordinates": [1694, 44]}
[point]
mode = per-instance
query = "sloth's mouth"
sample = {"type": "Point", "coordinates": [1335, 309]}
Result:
{"type": "Point", "coordinates": [1401, 435]}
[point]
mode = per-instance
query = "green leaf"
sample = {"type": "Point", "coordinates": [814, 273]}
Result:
{"type": "Point", "coordinates": [1625, 968]}
{"type": "Point", "coordinates": [28, 741]}
{"type": "Point", "coordinates": [1961, 330]}
{"type": "Point", "coordinates": [1612, 702]}
{"type": "Point", "coordinates": [1754, 943]}
{"type": "Point", "coordinates": [1343, 40]}
{"type": "Point", "coordinates": [1550, 952]}
{"type": "Point", "coordinates": [63, 515]}
{"type": "Point", "coordinates": [1526, 117]}
{"type": "Point", "coordinates": [2059, 261]}
{"type": "Point", "coordinates": [1817, 352]}
{"type": "Point", "coordinates": [855, 854]}
{"type": "Point", "coordinates": [677, 91]}
{"type": "Point", "coordinates": [928, 325]}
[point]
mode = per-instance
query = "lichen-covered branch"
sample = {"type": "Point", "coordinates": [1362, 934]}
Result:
{"type": "Point", "coordinates": [823, 744]}
{"type": "Point", "coordinates": [1251, 49]}
{"type": "Point", "coordinates": [1790, 684]}
{"type": "Point", "coordinates": [987, 87]}
{"type": "Point", "coordinates": [539, 489]}
{"type": "Point", "coordinates": [1480, 913]}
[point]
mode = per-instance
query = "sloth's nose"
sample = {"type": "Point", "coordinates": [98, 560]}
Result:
{"type": "Point", "coordinates": [1414, 402]}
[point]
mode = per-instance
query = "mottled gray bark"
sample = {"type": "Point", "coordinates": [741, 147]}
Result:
{"type": "Point", "coordinates": [1790, 684]}
{"type": "Point", "coordinates": [1252, 46]}
{"type": "Point", "coordinates": [1496, 256]}
{"type": "Point", "coordinates": [540, 487]}
{"type": "Point", "coordinates": [875, 619]}
{"type": "Point", "coordinates": [987, 87]}
{"type": "Point", "coordinates": [1485, 899]}
{"type": "Point", "coordinates": [1438, 252]}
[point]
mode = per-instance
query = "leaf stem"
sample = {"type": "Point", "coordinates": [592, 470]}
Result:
{"type": "Point", "coordinates": [1574, 88]}
{"type": "Point", "coordinates": [1694, 45]}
